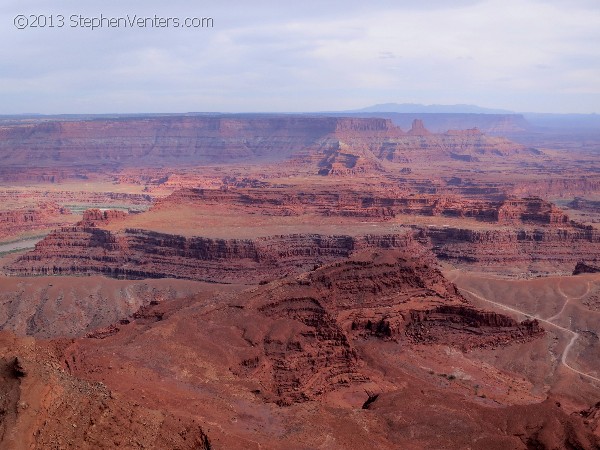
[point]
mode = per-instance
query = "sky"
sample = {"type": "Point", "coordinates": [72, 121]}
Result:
{"type": "Point", "coordinates": [300, 56]}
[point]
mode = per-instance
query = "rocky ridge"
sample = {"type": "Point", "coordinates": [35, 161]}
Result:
{"type": "Point", "coordinates": [41, 216]}
{"type": "Point", "coordinates": [136, 254]}
{"type": "Point", "coordinates": [349, 203]}
{"type": "Point", "coordinates": [391, 294]}
{"type": "Point", "coordinates": [560, 247]}
{"type": "Point", "coordinates": [337, 143]}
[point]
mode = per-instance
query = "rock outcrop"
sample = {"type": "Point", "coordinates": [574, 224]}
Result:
{"type": "Point", "coordinates": [391, 294]}
{"type": "Point", "coordinates": [556, 249]}
{"type": "Point", "coordinates": [41, 216]}
{"type": "Point", "coordinates": [136, 254]}
{"type": "Point", "coordinates": [452, 325]}
{"type": "Point", "coordinates": [418, 129]}
{"type": "Point", "coordinates": [200, 140]}
{"type": "Point", "coordinates": [95, 217]}
{"type": "Point", "coordinates": [42, 406]}
{"type": "Point", "coordinates": [586, 267]}
{"type": "Point", "coordinates": [532, 211]}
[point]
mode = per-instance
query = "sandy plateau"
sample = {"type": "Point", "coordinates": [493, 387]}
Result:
{"type": "Point", "coordinates": [282, 281]}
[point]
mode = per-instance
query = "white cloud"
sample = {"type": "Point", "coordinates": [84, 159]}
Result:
{"type": "Point", "coordinates": [515, 54]}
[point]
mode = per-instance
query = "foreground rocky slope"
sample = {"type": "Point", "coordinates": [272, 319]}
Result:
{"type": "Point", "coordinates": [286, 365]}
{"type": "Point", "coordinates": [42, 406]}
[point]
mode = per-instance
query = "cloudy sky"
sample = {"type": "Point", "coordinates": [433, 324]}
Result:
{"type": "Point", "coordinates": [313, 55]}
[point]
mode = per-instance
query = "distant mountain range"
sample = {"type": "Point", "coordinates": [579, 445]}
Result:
{"type": "Point", "coordinates": [437, 118]}
{"type": "Point", "coordinates": [442, 117]}
{"type": "Point", "coordinates": [412, 108]}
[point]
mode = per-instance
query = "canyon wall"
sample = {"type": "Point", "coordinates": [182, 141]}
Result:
{"type": "Point", "coordinates": [497, 124]}
{"type": "Point", "coordinates": [135, 254]}
{"type": "Point", "coordinates": [557, 248]}
{"type": "Point", "coordinates": [41, 216]}
{"type": "Point", "coordinates": [348, 203]}
{"type": "Point", "coordinates": [173, 140]}
{"type": "Point", "coordinates": [201, 140]}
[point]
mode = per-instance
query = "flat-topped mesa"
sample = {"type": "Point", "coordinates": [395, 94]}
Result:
{"type": "Point", "coordinates": [341, 146]}
{"type": "Point", "coordinates": [32, 214]}
{"type": "Point", "coordinates": [382, 205]}
{"type": "Point", "coordinates": [531, 210]}
{"type": "Point", "coordinates": [135, 254]}
{"type": "Point", "coordinates": [154, 141]}
{"type": "Point", "coordinates": [94, 217]}
{"type": "Point", "coordinates": [40, 216]}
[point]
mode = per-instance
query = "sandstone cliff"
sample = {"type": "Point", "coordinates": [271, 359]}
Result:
{"type": "Point", "coordinates": [391, 294]}
{"type": "Point", "coordinates": [174, 140]}
{"type": "Point", "coordinates": [351, 203]}
{"type": "Point", "coordinates": [556, 249]}
{"type": "Point", "coordinates": [136, 253]}
{"type": "Point", "coordinates": [201, 140]}
{"type": "Point", "coordinates": [41, 216]}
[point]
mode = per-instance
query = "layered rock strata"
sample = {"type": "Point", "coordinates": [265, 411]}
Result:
{"type": "Point", "coordinates": [41, 216]}
{"type": "Point", "coordinates": [136, 254]}
{"type": "Point", "coordinates": [389, 295]}
{"type": "Point", "coordinates": [160, 141]}
{"type": "Point", "coordinates": [383, 205]}
{"type": "Point", "coordinates": [505, 247]}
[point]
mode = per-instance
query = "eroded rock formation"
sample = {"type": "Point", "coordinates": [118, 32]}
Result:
{"type": "Point", "coordinates": [41, 216]}
{"type": "Point", "coordinates": [42, 406]}
{"type": "Point", "coordinates": [136, 254]}
{"type": "Point", "coordinates": [450, 324]}
{"type": "Point", "coordinates": [559, 248]}
{"type": "Point", "coordinates": [586, 267]}
{"type": "Point", "coordinates": [338, 145]}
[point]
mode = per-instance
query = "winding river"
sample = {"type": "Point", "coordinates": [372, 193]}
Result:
{"type": "Point", "coordinates": [20, 245]}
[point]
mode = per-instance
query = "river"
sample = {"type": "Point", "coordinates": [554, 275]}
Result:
{"type": "Point", "coordinates": [20, 245]}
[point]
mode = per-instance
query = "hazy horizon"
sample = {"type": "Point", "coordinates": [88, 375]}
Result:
{"type": "Point", "coordinates": [366, 110]}
{"type": "Point", "coordinates": [526, 56]}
